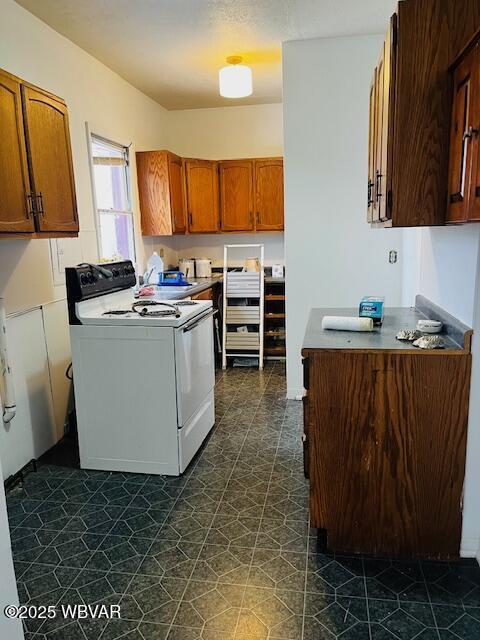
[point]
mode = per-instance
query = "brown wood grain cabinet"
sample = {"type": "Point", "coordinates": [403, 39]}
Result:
{"type": "Point", "coordinates": [50, 161]}
{"type": "Point", "coordinates": [36, 168]}
{"type": "Point", "coordinates": [385, 443]}
{"type": "Point", "coordinates": [201, 195]}
{"type": "Point", "coordinates": [410, 122]}
{"type": "Point", "coordinates": [208, 196]}
{"type": "Point", "coordinates": [269, 214]}
{"type": "Point", "coordinates": [464, 167]}
{"type": "Point", "coordinates": [16, 205]}
{"type": "Point", "coordinates": [236, 195]}
{"type": "Point", "coordinates": [160, 190]}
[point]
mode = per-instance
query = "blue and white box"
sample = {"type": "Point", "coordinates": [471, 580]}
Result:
{"type": "Point", "coordinates": [372, 307]}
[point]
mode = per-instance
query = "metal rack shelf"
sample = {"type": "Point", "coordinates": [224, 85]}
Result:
{"type": "Point", "coordinates": [243, 303]}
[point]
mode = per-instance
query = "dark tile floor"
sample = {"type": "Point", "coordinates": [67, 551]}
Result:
{"type": "Point", "coordinates": [223, 552]}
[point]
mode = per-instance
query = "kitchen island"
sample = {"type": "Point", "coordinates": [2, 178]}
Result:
{"type": "Point", "coordinates": [385, 435]}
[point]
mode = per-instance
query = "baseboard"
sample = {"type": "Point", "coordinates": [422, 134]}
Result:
{"type": "Point", "coordinates": [295, 394]}
{"type": "Point", "coordinates": [470, 548]}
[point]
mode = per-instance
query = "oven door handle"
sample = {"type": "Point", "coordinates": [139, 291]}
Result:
{"type": "Point", "coordinates": [195, 324]}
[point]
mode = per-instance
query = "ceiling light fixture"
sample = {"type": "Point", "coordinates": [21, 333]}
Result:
{"type": "Point", "coordinates": [235, 80]}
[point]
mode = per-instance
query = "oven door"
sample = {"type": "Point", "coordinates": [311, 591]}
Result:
{"type": "Point", "coordinates": [195, 366]}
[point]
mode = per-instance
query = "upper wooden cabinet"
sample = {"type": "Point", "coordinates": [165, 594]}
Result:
{"type": "Point", "coordinates": [236, 195]}
{"type": "Point", "coordinates": [464, 168]}
{"type": "Point", "coordinates": [201, 193]}
{"type": "Point", "coordinates": [269, 194]}
{"type": "Point", "coordinates": [50, 158]}
{"type": "Point", "coordinates": [36, 169]}
{"type": "Point", "coordinates": [410, 112]}
{"type": "Point", "coordinates": [206, 196]}
{"type": "Point", "coordinates": [16, 205]}
{"type": "Point", "coordinates": [160, 189]}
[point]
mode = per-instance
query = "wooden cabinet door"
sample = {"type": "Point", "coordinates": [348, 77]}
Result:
{"type": "Point", "coordinates": [385, 133]}
{"type": "Point", "coordinates": [16, 204]}
{"type": "Point", "coordinates": [387, 455]}
{"type": "Point", "coordinates": [153, 193]}
{"type": "Point", "coordinates": [201, 179]}
{"type": "Point", "coordinates": [207, 294]}
{"type": "Point", "coordinates": [473, 139]}
{"type": "Point", "coordinates": [50, 159]}
{"type": "Point", "coordinates": [175, 173]}
{"type": "Point", "coordinates": [380, 143]}
{"type": "Point", "coordinates": [379, 198]}
{"type": "Point", "coordinates": [269, 194]}
{"type": "Point", "coordinates": [236, 195]}
{"type": "Point", "coordinates": [461, 142]}
{"type": "Point", "coordinates": [372, 147]}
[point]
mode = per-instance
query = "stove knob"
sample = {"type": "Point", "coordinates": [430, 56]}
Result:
{"type": "Point", "coordinates": [90, 278]}
{"type": "Point", "coordinates": [83, 279]}
{"type": "Point", "coordinates": [115, 273]}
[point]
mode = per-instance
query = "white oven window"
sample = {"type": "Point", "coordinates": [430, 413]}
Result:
{"type": "Point", "coordinates": [112, 200]}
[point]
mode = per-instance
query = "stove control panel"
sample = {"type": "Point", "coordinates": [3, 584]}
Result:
{"type": "Point", "coordinates": [87, 281]}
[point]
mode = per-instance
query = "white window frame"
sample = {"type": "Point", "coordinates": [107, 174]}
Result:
{"type": "Point", "coordinates": [91, 133]}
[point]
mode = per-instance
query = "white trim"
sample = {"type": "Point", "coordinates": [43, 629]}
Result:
{"type": "Point", "coordinates": [295, 394]}
{"type": "Point", "coordinates": [90, 132]}
{"type": "Point", "coordinates": [470, 548]}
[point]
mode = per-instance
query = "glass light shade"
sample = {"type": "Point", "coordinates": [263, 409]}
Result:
{"type": "Point", "coordinates": [235, 81]}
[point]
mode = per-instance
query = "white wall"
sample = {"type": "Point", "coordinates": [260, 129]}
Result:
{"type": "Point", "coordinates": [11, 629]}
{"type": "Point", "coordinates": [227, 132]}
{"type": "Point", "coordinates": [211, 246]}
{"type": "Point", "coordinates": [447, 271]}
{"type": "Point", "coordinates": [333, 257]}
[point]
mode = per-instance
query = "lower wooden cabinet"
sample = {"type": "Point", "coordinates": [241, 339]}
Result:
{"type": "Point", "coordinates": [207, 294]}
{"type": "Point", "coordinates": [201, 196]}
{"type": "Point", "coordinates": [385, 441]}
{"type": "Point", "coordinates": [36, 168]}
{"type": "Point", "coordinates": [464, 166]}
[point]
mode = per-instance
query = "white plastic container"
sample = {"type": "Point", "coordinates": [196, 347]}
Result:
{"type": "Point", "coordinates": [187, 267]}
{"type": "Point", "coordinates": [203, 268]}
{"type": "Point", "coordinates": [154, 269]}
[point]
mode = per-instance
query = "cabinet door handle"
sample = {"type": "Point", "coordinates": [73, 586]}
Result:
{"type": "Point", "coordinates": [30, 205]}
{"type": "Point", "coordinates": [369, 193]}
{"type": "Point", "coordinates": [306, 374]}
{"type": "Point", "coordinates": [378, 182]}
{"type": "Point", "coordinates": [251, 217]}
{"type": "Point", "coordinates": [258, 217]}
{"type": "Point", "coordinates": [190, 218]}
{"type": "Point", "coordinates": [471, 131]}
{"type": "Point", "coordinates": [41, 210]}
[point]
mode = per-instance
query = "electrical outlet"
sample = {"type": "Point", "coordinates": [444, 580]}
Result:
{"type": "Point", "coordinates": [392, 256]}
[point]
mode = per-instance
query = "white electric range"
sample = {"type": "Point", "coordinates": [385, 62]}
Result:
{"type": "Point", "coordinates": [143, 373]}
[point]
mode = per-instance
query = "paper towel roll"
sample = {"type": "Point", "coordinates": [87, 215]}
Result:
{"type": "Point", "coordinates": [347, 323]}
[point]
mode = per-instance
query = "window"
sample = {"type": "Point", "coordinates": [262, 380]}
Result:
{"type": "Point", "coordinates": [112, 200]}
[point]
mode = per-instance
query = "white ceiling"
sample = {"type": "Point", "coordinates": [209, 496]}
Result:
{"type": "Point", "coordinates": [172, 49]}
